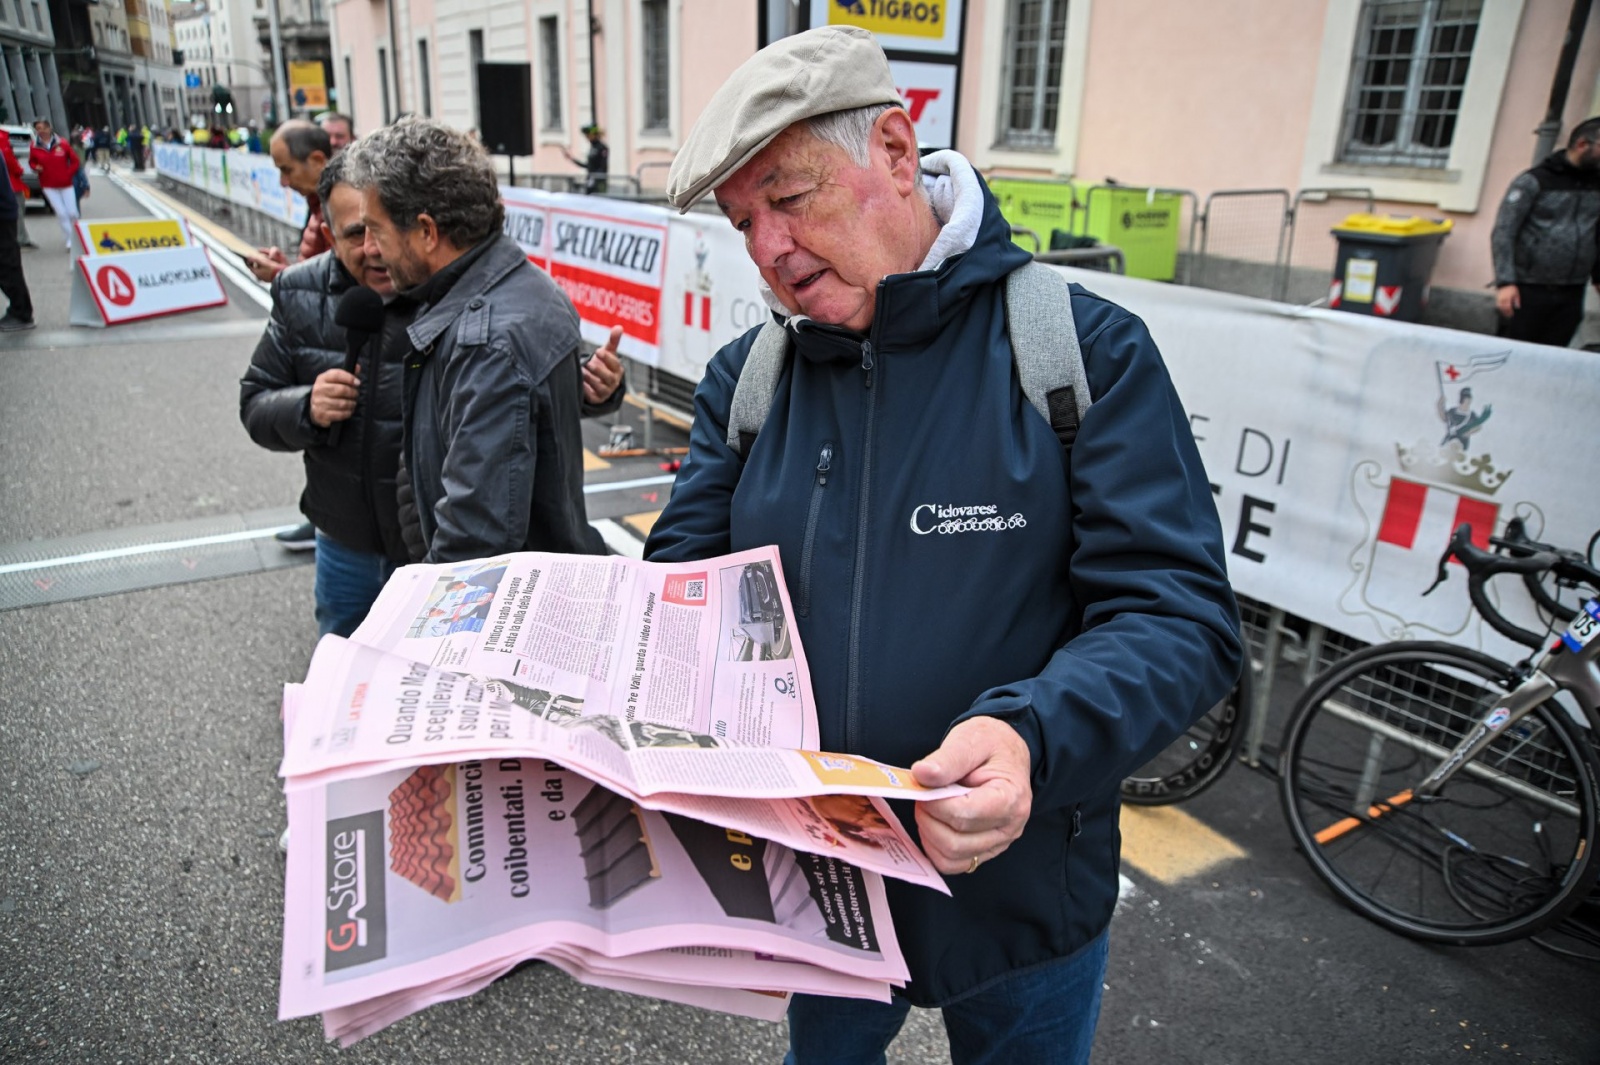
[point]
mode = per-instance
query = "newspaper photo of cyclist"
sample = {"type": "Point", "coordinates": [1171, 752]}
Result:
{"type": "Point", "coordinates": [458, 604]}
{"type": "Point", "coordinates": [755, 626]}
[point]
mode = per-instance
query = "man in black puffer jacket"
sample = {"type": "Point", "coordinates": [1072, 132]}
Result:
{"type": "Point", "coordinates": [296, 391]}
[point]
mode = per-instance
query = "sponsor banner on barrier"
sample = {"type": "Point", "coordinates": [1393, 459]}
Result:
{"type": "Point", "coordinates": [1361, 443]}
{"type": "Point", "coordinates": [712, 294]}
{"type": "Point", "coordinates": [243, 178]}
{"type": "Point", "coordinates": [114, 236]}
{"type": "Point", "coordinates": [608, 256]}
{"type": "Point", "coordinates": [610, 264]}
{"type": "Point", "coordinates": [112, 289]}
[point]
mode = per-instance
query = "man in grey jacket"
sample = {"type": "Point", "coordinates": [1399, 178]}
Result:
{"type": "Point", "coordinates": [1545, 241]}
{"type": "Point", "coordinates": [491, 453]}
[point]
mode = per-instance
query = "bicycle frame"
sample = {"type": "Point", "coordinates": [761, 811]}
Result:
{"type": "Point", "coordinates": [1557, 669]}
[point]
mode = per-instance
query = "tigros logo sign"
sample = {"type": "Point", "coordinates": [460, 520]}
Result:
{"type": "Point", "coordinates": [356, 916]}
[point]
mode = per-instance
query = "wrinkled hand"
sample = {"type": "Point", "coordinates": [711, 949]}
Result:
{"type": "Point", "coordinates": [603, 373]}
{"type": "Point", "coordinates": [987, 755]}
{"type": "Point", "coordinates": [1508, 300]}
{"type": "Point", "coordinates": [333, 397]}
{"type": "Point", "coordinates": [267, 263]}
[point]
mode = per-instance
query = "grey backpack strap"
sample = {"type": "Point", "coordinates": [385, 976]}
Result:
{"type": "Point", "coordinates": [1044, 347]}
{"type": "Point", "coordinates": [757, 384]}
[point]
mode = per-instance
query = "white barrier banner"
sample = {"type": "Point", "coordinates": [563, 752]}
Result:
{"type": "Point", "coordinates": [712, 293]}
{"type": "Point", "coordinates": [127, 287]}
{"type": "Point", "coordinates": [1345, 450]}
{"type": "Point", "coordinates": [241, 177]}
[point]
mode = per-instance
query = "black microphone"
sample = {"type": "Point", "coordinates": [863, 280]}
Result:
{"type": "Point", "coordinates": [360, 315]}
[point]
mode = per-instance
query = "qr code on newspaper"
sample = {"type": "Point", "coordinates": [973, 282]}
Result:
{"type": "Point", "coordinates": [686, 589]}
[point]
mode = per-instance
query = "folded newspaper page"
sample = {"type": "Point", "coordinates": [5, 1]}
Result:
{"type": "Point", "coordinates": [708, 647]}
{"type": "Point", "coordinates": [403, 879]}
{"type": "Point", "coordinates": [362, 710]}
{"type": "Point", "coordinates": [511, 759]}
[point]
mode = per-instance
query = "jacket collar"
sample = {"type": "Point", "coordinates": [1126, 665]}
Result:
{"type": "Point", "coordinates": [501, 256]}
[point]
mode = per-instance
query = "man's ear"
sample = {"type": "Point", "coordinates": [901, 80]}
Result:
{"type": "Point", "coordinates": [317, 158]}
{"type": "Point", "coordinates": [327, 234]}
{"type": "Point", "coordinates": [895, 135]}
{"type": "Point", "coordinates": [429, 229]}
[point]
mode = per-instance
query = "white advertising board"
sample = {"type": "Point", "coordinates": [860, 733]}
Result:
{"type": "Point", "coordinates": [113, 289]}
{"type": "Point", "coordinates": [929, 92]}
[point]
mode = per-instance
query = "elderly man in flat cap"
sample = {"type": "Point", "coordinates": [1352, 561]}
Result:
{"type": "Point", "coordinates": [1012, 608]}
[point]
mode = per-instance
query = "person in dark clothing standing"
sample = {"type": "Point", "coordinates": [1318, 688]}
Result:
{"type": "Point", "coordinates": [492, 456]}
{"type": "Point", "coordinates": [1545, 242]}
{"type": "Point", "coordinates": [598, 161]}
{"type": "Point", "coordinates": [19, 315]}
{"type": "Point", "coordinates": [296, 391]}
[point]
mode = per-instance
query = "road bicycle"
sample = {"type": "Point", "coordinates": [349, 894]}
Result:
{"type": "Point", "coordinates": [1444, 794]}
{"type": "Point", "coordinates": [1197, 759]}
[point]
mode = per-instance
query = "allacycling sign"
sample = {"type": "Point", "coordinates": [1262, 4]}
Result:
{"type": "Point", "coordinates": [126, 287]}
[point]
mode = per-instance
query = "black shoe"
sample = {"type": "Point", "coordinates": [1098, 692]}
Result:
{"type": "Point", "coordinates": [8, 324]}
{"type": "Point", "coordinates": [301, 538]}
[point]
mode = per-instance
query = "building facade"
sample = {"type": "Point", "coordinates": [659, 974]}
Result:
{"type": "Point", "coordinates": [1428, 105]}
{"type": "Point", "coordinates": [30, 84]}
{"type": "Point", "coordinates": [221, 50]}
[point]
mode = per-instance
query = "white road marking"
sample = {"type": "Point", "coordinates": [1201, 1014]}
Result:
{"type": "Point", "coordinates": [143, 549]}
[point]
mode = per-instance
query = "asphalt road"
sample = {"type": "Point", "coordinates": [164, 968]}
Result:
{"type": "Point", "coordinates": [141, 885]}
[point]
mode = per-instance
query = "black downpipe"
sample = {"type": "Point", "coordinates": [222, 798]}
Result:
{"type": "Point", "coordinates": [594, 116]}
{"type": "Point", "coordinates": [1563, 81]}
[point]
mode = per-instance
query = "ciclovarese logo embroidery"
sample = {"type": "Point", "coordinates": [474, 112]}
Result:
{"type": "Point", "coordinates": [946, 519]}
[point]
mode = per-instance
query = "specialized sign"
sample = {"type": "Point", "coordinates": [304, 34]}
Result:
{"type": "Point", "coordinates": [129, 286]}
{"type": "Point", "coordinates": [608, 257]}
{"type": "Point", "coordinates": [308, 85]}
{"type": "Point", "coordinates": [932, 26]}
{"type": "Point", "coordinates": [118, 235]}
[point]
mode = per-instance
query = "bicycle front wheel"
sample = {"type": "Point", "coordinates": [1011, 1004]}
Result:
{"type": "Point", "coordinates": [1195, 760]}
{"type": "Point", "coordinates": [1506, 847]}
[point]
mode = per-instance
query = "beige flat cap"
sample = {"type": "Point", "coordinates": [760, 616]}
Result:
{"type": "Point", "coordinates": [834, 68]}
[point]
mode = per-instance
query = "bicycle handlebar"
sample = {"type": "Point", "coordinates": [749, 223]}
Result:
{"type": "Point", "coordinates": [1528, 558]}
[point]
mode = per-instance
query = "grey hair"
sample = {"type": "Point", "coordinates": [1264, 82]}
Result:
{"type": "Point", "coordinates": [850, 130]}
{"type": "Point", "coordinates": [418, 166]}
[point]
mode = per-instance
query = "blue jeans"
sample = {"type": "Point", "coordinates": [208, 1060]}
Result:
{"type": "Point", "coordinates": [348, 582]}
{"type": "Point", "coordinates": [1046, 1014]}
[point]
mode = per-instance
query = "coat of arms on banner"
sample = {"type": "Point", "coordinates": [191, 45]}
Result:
{"type": "Point", "coordinates": [1410, 509]}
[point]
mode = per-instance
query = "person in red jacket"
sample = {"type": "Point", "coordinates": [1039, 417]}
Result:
{"type": "Point", "coordinates": [20, 187]}
{"type": "Point", "coordinates": [55, 162]}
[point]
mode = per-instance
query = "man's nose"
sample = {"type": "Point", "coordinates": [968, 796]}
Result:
{"type": "Point", "coordinates": [768, 240]}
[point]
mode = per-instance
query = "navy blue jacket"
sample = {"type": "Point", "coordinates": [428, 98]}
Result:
{"type": "Point", "coordinates": [945, 563]}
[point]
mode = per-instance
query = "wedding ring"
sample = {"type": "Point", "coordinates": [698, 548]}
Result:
{"type": "Point", "coordinates": [976, 861]}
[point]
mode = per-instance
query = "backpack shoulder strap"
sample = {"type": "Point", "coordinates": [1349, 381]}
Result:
{"type": "Point", "coordinates": [1044, 347]}
{"type": "Point", "coordinates": [757, 384]}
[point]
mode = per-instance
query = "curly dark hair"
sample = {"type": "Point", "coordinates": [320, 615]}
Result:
{"type": "Point", "coordinates": [419, 167]}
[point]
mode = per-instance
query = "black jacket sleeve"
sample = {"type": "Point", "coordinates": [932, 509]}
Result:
{"type": "Point", "coordinates": [275, 392]}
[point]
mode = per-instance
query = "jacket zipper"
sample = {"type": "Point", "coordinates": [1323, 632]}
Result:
{"type": "Point", "coordinates": [824, 465]}
{"type": "Point", "coordinates": [852, 706]}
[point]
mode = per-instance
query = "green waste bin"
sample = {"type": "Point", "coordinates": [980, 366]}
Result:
{"type": "Point", "coordinates": [1141, 222]}
{"type": "Point", "coordinates": [1385, 264]}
